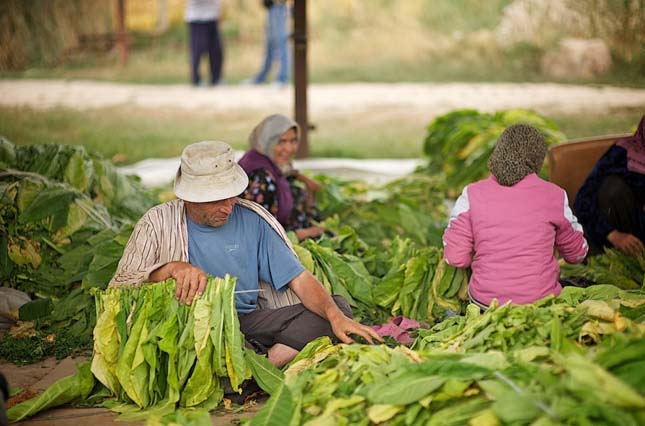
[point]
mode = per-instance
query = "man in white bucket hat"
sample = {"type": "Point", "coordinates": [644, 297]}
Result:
{"type": "Point", "coordinates": [208, 230]}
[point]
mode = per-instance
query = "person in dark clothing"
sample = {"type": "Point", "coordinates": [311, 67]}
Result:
{"type": "Point", "coordinates": [202, 17]}
{"type": "Point", "coordinates": [610, 203]}
{"type": "Point", "coordinates": [4, 396]}
{"type": "Point", "coordinates": [274, 184]}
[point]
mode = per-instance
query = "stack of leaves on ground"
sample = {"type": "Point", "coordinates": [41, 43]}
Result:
{"type": "Point", "coordinates": [123, 196]}
{"type": "Point", "coordinates": [402, 280]}
{"type": "Point", "coordinates": [65, 218]}
{"type": "Point", "coordinates": [612, 267]}
{"type": "Point", "coordinates": [410, 207]}
{"type": "Point", "coordinates": [458, 144]}
{"type": "Point", "coordinates": [581, 315]}
{"type": "Point", "coordinates": [56, 245]}
{"type": "Point", "coordinates": [153, 355]}
{"type": "Point", "coordinates": [483, 372]}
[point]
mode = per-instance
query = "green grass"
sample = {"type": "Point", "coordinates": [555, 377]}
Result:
{"type": "Point", "coordinates": [614, 121]}
{"type": "Point", "coordinates": [133, 135]}
{"type": "Point", "coordinates": [136, 134]}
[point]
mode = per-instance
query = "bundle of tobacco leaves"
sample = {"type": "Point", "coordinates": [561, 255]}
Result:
{"type": "Point", "coordinates": [153, 355]}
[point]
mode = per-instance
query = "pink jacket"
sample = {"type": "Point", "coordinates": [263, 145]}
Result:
{"type": "Point", "coordinates": [507, 235]}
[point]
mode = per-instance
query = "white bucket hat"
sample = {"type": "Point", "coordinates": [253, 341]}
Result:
{"type": "Point", "coordinates": [209, 172]}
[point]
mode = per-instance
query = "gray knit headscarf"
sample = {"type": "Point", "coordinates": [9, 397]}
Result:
{"type": "Point", "coordinates": [266, 135]}
{"type": "Point", "coordinates": [520, 151]}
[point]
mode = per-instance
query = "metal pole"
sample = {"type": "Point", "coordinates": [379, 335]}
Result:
{"type": "Point", "coordinates": [121, 36]}
{"type": "Point", "coordinates": [300, 73]}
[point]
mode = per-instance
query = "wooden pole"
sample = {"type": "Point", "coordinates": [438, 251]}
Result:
{"type": "Point", "coordinates": [121, 35]}
{"type": "Point", "coordinates": [300, 73]}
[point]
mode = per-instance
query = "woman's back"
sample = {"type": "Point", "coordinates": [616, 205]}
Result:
{"type": "Point", "coordinates": [506, 227]}
{"type": "Point", "coordinates": [514, 234]}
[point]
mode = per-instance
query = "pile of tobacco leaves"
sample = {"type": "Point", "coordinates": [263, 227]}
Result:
{"type": "Point", "coordinates": [572, 360]}
{"type": "Point", "coordinates": [65, 217]}
{"type": "Point", "coordinates": [459, 143]}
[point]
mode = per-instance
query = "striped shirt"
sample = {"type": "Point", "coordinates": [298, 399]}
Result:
{"type": "Point", "coordinates": [161, 237]}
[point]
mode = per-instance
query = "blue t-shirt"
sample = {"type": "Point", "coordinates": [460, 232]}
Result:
{"type": "Point", "coordinates": [246, 247]}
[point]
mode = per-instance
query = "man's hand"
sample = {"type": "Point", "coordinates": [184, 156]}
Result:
{"type": "Point", "coordinates": [343, 327]}
{"type": "Point", "coordinates": [315, 298]}
{"type": "Point", "coordinates": [627, 243]}
{"type": "Point", "coordinates": [191, 280]}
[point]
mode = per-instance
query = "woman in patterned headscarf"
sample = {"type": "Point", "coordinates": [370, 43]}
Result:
{"type": "Point", "coordinates": [611, 202]}
{"type": "Point", "coordinates": [506, 227]}
{"type": "Point", "coordinates": [274, 183]}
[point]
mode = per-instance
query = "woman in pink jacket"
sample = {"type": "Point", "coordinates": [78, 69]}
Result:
{"type": "Point", "coordinates": [506, 227]}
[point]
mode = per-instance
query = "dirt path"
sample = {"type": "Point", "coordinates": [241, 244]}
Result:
{"type": "Point", "coordinates": [323, 98]}
{"type": "Point", "coordinates": [39, 376]}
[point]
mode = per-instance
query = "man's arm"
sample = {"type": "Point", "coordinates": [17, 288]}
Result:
{"type": "Point", "coordinates": [140, 256]}
{"type": "Point", "coordinates": [191, 280]}
{"type": "Point", "coordinates": [315, 298]}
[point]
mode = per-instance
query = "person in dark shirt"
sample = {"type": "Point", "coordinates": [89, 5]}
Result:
{"type": "Point", "coordinates": [610, 203]}
{"type": "Point", "coordinates": [4, 396]}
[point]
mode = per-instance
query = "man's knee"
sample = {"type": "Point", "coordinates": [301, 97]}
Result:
{"type": "Point", "coordinates": [343, 305]}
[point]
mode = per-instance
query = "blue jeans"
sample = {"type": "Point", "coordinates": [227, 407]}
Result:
{"type": "Point", "coordinates": [277, 44]}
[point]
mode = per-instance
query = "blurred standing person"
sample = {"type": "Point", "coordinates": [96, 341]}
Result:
{"type": "Point", "coordinates": [277, 42]}
{"type": "Point", "coordinates": [202, 17]}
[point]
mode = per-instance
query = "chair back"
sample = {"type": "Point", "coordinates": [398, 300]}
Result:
{"type": "Point", "coordinates": [571, 162]}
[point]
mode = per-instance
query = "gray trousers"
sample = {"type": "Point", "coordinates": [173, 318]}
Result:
{"type": "Point", "coordinates": [294, 325]}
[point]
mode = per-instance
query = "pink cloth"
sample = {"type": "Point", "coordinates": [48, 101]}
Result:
{"type": "Point", "coordinates": [398, 328]}
{"type": "Point", "coordinates": [507, 235]}
{"type": "Point", "coordinates": [635, 147]}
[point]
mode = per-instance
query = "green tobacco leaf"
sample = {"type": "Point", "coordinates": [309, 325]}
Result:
{"type": "Point", "coordinates": [455, 369]}
{"type": "Point", "coordinates": [313, 347]}
{"type": "Point", "coordinates": [235, 363]}
{"type": "Point", "coordinates": [27, 192]}
{"type": "Point", "coordinates": [268, 377]}
{"type": "Point", "coordinates": [7, 152]}
{"type": "Point", "coordinates": [79, 171]}
{"type": "Point", "coordinates": [49, 202]}
{"type": "Point", "coordinates": [35, 309]}
{"type": "Point", "coordinates": [279, 409]}
{"type": "Point", "coordinates": [201, 383]}
{"type": "Point", "coordinates": [106, 342]}
{"type": "Point", "coordinates": [305, 257]}
{"type": "Point", "coordinates": [459, 413]}
{"type": "Point", "coordinates": [63, 391]}
{"type": "Point", "coordinates": [217, 329]}
{"type": "Point", "coordinates": [404, 388]}
{"type": "Point", "coordinates": [605, 386]}
{"type": "Point", "coordinates": [131, 360]}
